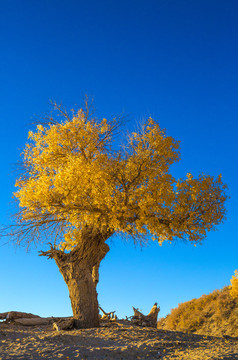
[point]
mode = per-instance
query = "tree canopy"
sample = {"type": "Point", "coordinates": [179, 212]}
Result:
{"type": "Point", "coordinates": [75, 179]}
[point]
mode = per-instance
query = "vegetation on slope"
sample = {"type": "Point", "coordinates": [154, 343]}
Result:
{"type": "Point", "coordinates": [234, 285]}
{"type": "Point", "coordinates": [214, 314]}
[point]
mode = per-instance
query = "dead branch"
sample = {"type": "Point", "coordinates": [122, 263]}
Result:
{"type": "Point", "coordinates": [149, 320]}
{"type": "Point", "coordinates": [109, 316]}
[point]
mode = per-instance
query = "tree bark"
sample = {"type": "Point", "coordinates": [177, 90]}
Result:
{"type": "Point", "coordinates": [80, 272]}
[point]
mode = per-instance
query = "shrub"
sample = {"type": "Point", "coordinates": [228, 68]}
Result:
{"type": "Point", "coordinates": [214, 314]}
{"type": "Point", "coordinates": [234, 285]}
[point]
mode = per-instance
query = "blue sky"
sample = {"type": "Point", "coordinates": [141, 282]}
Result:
{"type": "Point", "coordinates": [173, 60]}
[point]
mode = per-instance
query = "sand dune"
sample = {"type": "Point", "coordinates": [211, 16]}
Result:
{"type": "Point", "coordinates": [119, 340]}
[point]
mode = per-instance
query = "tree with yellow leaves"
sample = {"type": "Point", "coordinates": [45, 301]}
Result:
{"type": "Point", "coordinates": [79, 191]}
{"type": "Point", "coordinates": [234, 285]}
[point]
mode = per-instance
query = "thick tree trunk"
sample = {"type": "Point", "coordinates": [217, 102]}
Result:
{"type": "Point", "coordinates": [80, 272]}
{"type": "Point", "coordinates": [82, 293]}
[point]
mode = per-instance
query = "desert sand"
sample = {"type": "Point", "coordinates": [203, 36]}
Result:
{"type": "Point", "coordinates": [113, 340]}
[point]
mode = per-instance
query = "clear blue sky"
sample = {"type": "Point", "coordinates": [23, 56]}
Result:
{"type": "Point", "coordinates": [174, 60]}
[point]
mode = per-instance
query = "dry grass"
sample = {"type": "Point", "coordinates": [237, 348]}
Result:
{"type": "Point", "coordinates": [215, 314]}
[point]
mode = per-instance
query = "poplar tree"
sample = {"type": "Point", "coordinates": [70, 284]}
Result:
{"type": "Point", "coordinates": [77, 191]}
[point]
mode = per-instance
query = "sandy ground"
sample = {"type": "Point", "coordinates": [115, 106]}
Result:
{"type": "Point", "coordinates": [118, 340]}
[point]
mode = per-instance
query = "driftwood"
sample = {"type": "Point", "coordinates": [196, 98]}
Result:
{"type": "Point", "coordinates": [33, 321]}
{"type": "Point", "coordinates": [108, 316]}
{"type": "Point", "coordinates": [27, 319]}
{"type": "Point", "coordinates": [64, 324]}
{"type": "Point", "coordinates": [149, 320]}
{"type": "Point", "coordinates": [58, 323]}
{"type": "Point", "coordinates": [12, 315]}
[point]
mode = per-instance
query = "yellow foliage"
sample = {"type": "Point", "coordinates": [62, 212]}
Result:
{"type": "Point", "coordinates": [213, 314]}
{"type": "Point", "coordinates": [234, 285]}
{"type": "Point", "coordinates": [74, 180]}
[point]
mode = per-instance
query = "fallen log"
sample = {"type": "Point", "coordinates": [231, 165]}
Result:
{"type": "Point", "coordinates": [11, 315]}
{"type": "Point", "coordinates": [28, 319]}
{"type": "Point", "coordinates": [149, 320]}
{"type": "Point", "coordinates": [64, 322]}
{"type": "Point", "coordinates": [33, 321]}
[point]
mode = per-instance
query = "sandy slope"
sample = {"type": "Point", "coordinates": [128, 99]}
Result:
{"type": "Point", "coordinates": [119, 340]}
